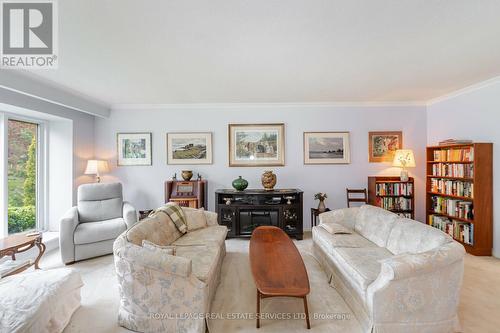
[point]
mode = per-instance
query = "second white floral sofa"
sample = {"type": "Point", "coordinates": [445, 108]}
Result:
{"type": "Point", "coordinates": [169, 293]}
{"type": "Point", "coordinates": [397, 275]}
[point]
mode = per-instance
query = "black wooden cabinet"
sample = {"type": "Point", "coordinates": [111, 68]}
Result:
{"type": "Point", "coordinates": [243, 211]}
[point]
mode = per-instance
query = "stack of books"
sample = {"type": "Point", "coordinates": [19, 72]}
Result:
{"type": "Point", "coordinates": [454, 155]}
{"type": "Point", "coordinates": [396, 189]}
{"type": "Point", "coordinates": [454, 142]}
{"type": "Point", "coordinates": [452, 207]}
{"type": "Point", "coordinates": [461, 231]}
{"type": "Point", "coordinates": [452, 187]}
{"type": "Point", "coordinates": [453, 170]}
{"type": "Point", "coordinates": [394, 203]}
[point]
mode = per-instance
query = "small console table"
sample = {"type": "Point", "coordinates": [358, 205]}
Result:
{"type": "Point", "coordinates": [243, 211]}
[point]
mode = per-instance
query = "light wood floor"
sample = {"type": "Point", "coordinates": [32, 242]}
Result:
{"type": "Point", "coordinates": [480, 300]}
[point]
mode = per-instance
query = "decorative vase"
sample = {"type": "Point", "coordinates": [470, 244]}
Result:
{"type": "Point", "coordinates": [268, 180]}
{"type": "Point", "coordinates": [187, 175]}
{"type": "Point", "coordinates": [321, 206]}
{"type": "Point", "coordinates": [240, 184]}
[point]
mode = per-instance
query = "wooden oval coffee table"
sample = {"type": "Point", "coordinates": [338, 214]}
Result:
{"type": "Point", "coordinates": [277, 267]}
{"type": "Point", "coordinates": [18, 243]}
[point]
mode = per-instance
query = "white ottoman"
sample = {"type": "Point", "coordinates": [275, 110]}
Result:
{"type": "Point", "coordinates": [39, 301]}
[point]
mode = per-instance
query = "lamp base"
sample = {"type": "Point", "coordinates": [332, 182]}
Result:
{"type": "Point", "coordinates": [404, 176]}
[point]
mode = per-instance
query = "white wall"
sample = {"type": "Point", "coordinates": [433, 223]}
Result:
{"type": "Point", "coordinates": [143, 185]}
{"type": "Point", "coordinates": [475, 115]}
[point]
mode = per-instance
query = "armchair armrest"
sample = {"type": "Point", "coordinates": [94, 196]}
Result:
{"type": "Point", "coordinates": [67, 226]}
{"type": "Point", "coordinates": [344, 216]}
{"type": "Point", "coordinates": [155, 259]}
{"type": "Point", "coordinates": [129, 214]}
{"type": "Point", "coordinates": [411, 265]}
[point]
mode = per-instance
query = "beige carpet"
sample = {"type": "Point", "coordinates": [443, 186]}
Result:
{"type": "Point", "coordinates": [478, 312]}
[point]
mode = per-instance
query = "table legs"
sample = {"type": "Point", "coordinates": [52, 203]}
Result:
{"type": "Point", "coordinates": [306, 310]}
{"type": "Point", "coordinates": [258, 308]}
{"type": "Point", "coordinates": [41, 251]}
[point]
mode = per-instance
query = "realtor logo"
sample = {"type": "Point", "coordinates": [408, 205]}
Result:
{"type": "Point", "coordinates": [29, 34]}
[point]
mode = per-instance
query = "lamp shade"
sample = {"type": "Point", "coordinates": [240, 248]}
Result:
{"type": "Point", "coordinates": [404, 158]}
{"type": "Point", "coordinates": [96, 167]}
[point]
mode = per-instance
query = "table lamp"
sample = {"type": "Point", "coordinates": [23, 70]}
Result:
{"type": "Point", "coordinates": [96, 167]}
{"type": "Point", "coordinates": [404, 158]}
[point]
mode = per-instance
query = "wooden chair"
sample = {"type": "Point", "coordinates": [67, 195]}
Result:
{"type": "Point", "coordinates": [356, 195]}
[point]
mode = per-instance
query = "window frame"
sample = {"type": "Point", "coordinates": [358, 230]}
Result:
{"type": "Point", "coordinates": [41, 170]}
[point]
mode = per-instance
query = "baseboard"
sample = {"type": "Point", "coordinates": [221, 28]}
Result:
{"type": "Point", "coordinates": [496, 254]}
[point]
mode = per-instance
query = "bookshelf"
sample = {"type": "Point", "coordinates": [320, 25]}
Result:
{"type": "Point", "coordinates": [459, 194]}
{"type": "Point", "coordinates": [392, 194]}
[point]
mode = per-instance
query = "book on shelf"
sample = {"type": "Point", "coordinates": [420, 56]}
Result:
{"type": "Point", "coordinates": [461, 231]}
{"type": "Point", "coordinates": [454, 142]}
{"type": "Point", "coordinates": [452, 187]}
{"type": "Point", "coordinates": [453, 170]}
{"type": "Point", "coordinates": [394, 203]}
{"type": "Point", "coordinates": [396, 189]}
{"type": "Point", "coordinates": [452, 207]}
{"type": "Point", "coordinates": [405, 215]}
{"type": "Point", "coordinates": [454, 154]}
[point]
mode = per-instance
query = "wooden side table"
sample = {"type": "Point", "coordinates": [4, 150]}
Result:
{"type": "Point", "coordinates": [12, 245]}
{"type": "Point", "coordinates": [314, 215]}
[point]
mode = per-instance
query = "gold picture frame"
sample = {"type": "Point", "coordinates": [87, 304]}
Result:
{"type": "Point", "coordinates": [382, 145]}
{"type": "Point", "coordinates": [256, 145]}
{"type": "Point", "coordinates": [197, 148]}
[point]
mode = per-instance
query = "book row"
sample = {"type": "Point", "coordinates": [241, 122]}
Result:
{"type": "Point", "coordinates": [453, 170]}
{"type": "Point", "coordinates": [453, 187]}
{"type": "Point", "coordinates": [394, 189]}
{"type": "Point", "coordinates": [452, 207]}
{"type": "Point", "coordinates": [462, 231]}
{"type": "Point", "coordinates": [394, 203]}
{"type": "Point", "coordinates": [455, 154]}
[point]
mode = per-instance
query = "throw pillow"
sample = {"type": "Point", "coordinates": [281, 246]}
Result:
{"type": "Point", "coordinates": [152, 246]}
{"type": "Point", "coordinates": [335, 228]}
{"type": "Point", "coordinates": [195, 218]}
{"type": "Point", "coordinates": [176, 214]}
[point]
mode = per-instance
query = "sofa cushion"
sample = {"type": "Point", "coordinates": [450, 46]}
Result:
{"type": "Point", "coordinates": [98, 202]}
{"type": "Point", "coordinates": [167, 249]}
{"type": "Point", "coordinates": [335, 228]}
{"type": "Point", "coordinates": [92, 232]}
{"type": "Point", "coordinates": [329, 241]}
{"type": "Point", "coordinates": [195, 218]}
{"type": "Point", "coordinates": [375, 224]}
{"type": "Point", "coordinates": [410, 236]}
{"type": "Point", "coordinates": [361, 264]}
{"type": "Point", "coordinates": [157, 228]}
{"type": "Point", "coordinates": [216, 234]}
{"type": "Point", "coordinates": [204, 258]}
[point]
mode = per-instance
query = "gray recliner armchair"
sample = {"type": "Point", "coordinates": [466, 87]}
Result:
{"type": "Point", "coordinates": [89, 229]}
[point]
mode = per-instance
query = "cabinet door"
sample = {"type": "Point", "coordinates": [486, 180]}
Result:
{"type": "Point", "coordinates": [227, 217]}
{"type": "Point", "coordinates": [292, 223]}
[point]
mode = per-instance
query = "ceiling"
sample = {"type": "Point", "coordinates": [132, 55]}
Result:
{"type": "Point", "coordinates": [264, 51]}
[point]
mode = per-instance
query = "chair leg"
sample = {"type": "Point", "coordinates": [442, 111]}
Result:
{"type": "Point", "coordinates": [306, 310]}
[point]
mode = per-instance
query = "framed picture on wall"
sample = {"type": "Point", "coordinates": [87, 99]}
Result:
{"type": "Point", "coordinates": [189, 148]}
{"type": "Point", "coordinates": [134, 149]}
{"type": "Point", "coordinates": [383, 145]}
{"type": "Point", "coordinates": [326, 148]}
{"type": "Point", "coordinates": [256, 145]}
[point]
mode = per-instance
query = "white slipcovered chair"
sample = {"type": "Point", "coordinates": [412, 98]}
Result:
{"type": "Point", "coordinates": [89, 229]}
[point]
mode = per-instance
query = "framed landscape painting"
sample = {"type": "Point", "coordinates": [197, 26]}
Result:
{"type": "Point", "coordinates": [256, 145]}
{"type": "Point", "coordinates": [383, 145]}
{"type": "Point", "coordinates": [326, 148]}
{"type": "Point", "coordinates": [134, 149]}
{"type": "Point", "coordinates": [189, 148]}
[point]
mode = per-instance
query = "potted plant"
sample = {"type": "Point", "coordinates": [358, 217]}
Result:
{"type": "Point", "coordinates": [321, 197]}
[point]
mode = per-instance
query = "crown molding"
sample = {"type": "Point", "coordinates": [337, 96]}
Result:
{"type": "Point", "coordinates": [465, 90]}
{"type": "Point", "coordinates": [262, 105]}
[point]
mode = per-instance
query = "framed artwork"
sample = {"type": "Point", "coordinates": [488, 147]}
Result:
{"type": "Point", "coordinates": [326, 148]}
{"type": "Point", "coordinates": [189, 148]}
{"type": "Point", "coordinates": [383, 145]}
{"type": "Point", "coordinates": [256, 145]}
{"type": "Point", "coordinates": [134, 149]}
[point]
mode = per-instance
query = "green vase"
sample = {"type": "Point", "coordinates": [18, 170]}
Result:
{"type": "Point", "coordinates": [240, 184]}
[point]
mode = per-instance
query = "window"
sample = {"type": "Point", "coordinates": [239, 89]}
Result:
{"type": "Point", "coordinates": [22, 175]}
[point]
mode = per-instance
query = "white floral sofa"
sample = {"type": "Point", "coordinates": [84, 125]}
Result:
{"type": "Point", "coordinates": [168, 293]}
{"type": "Point", "coordinates": [397, 275]}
